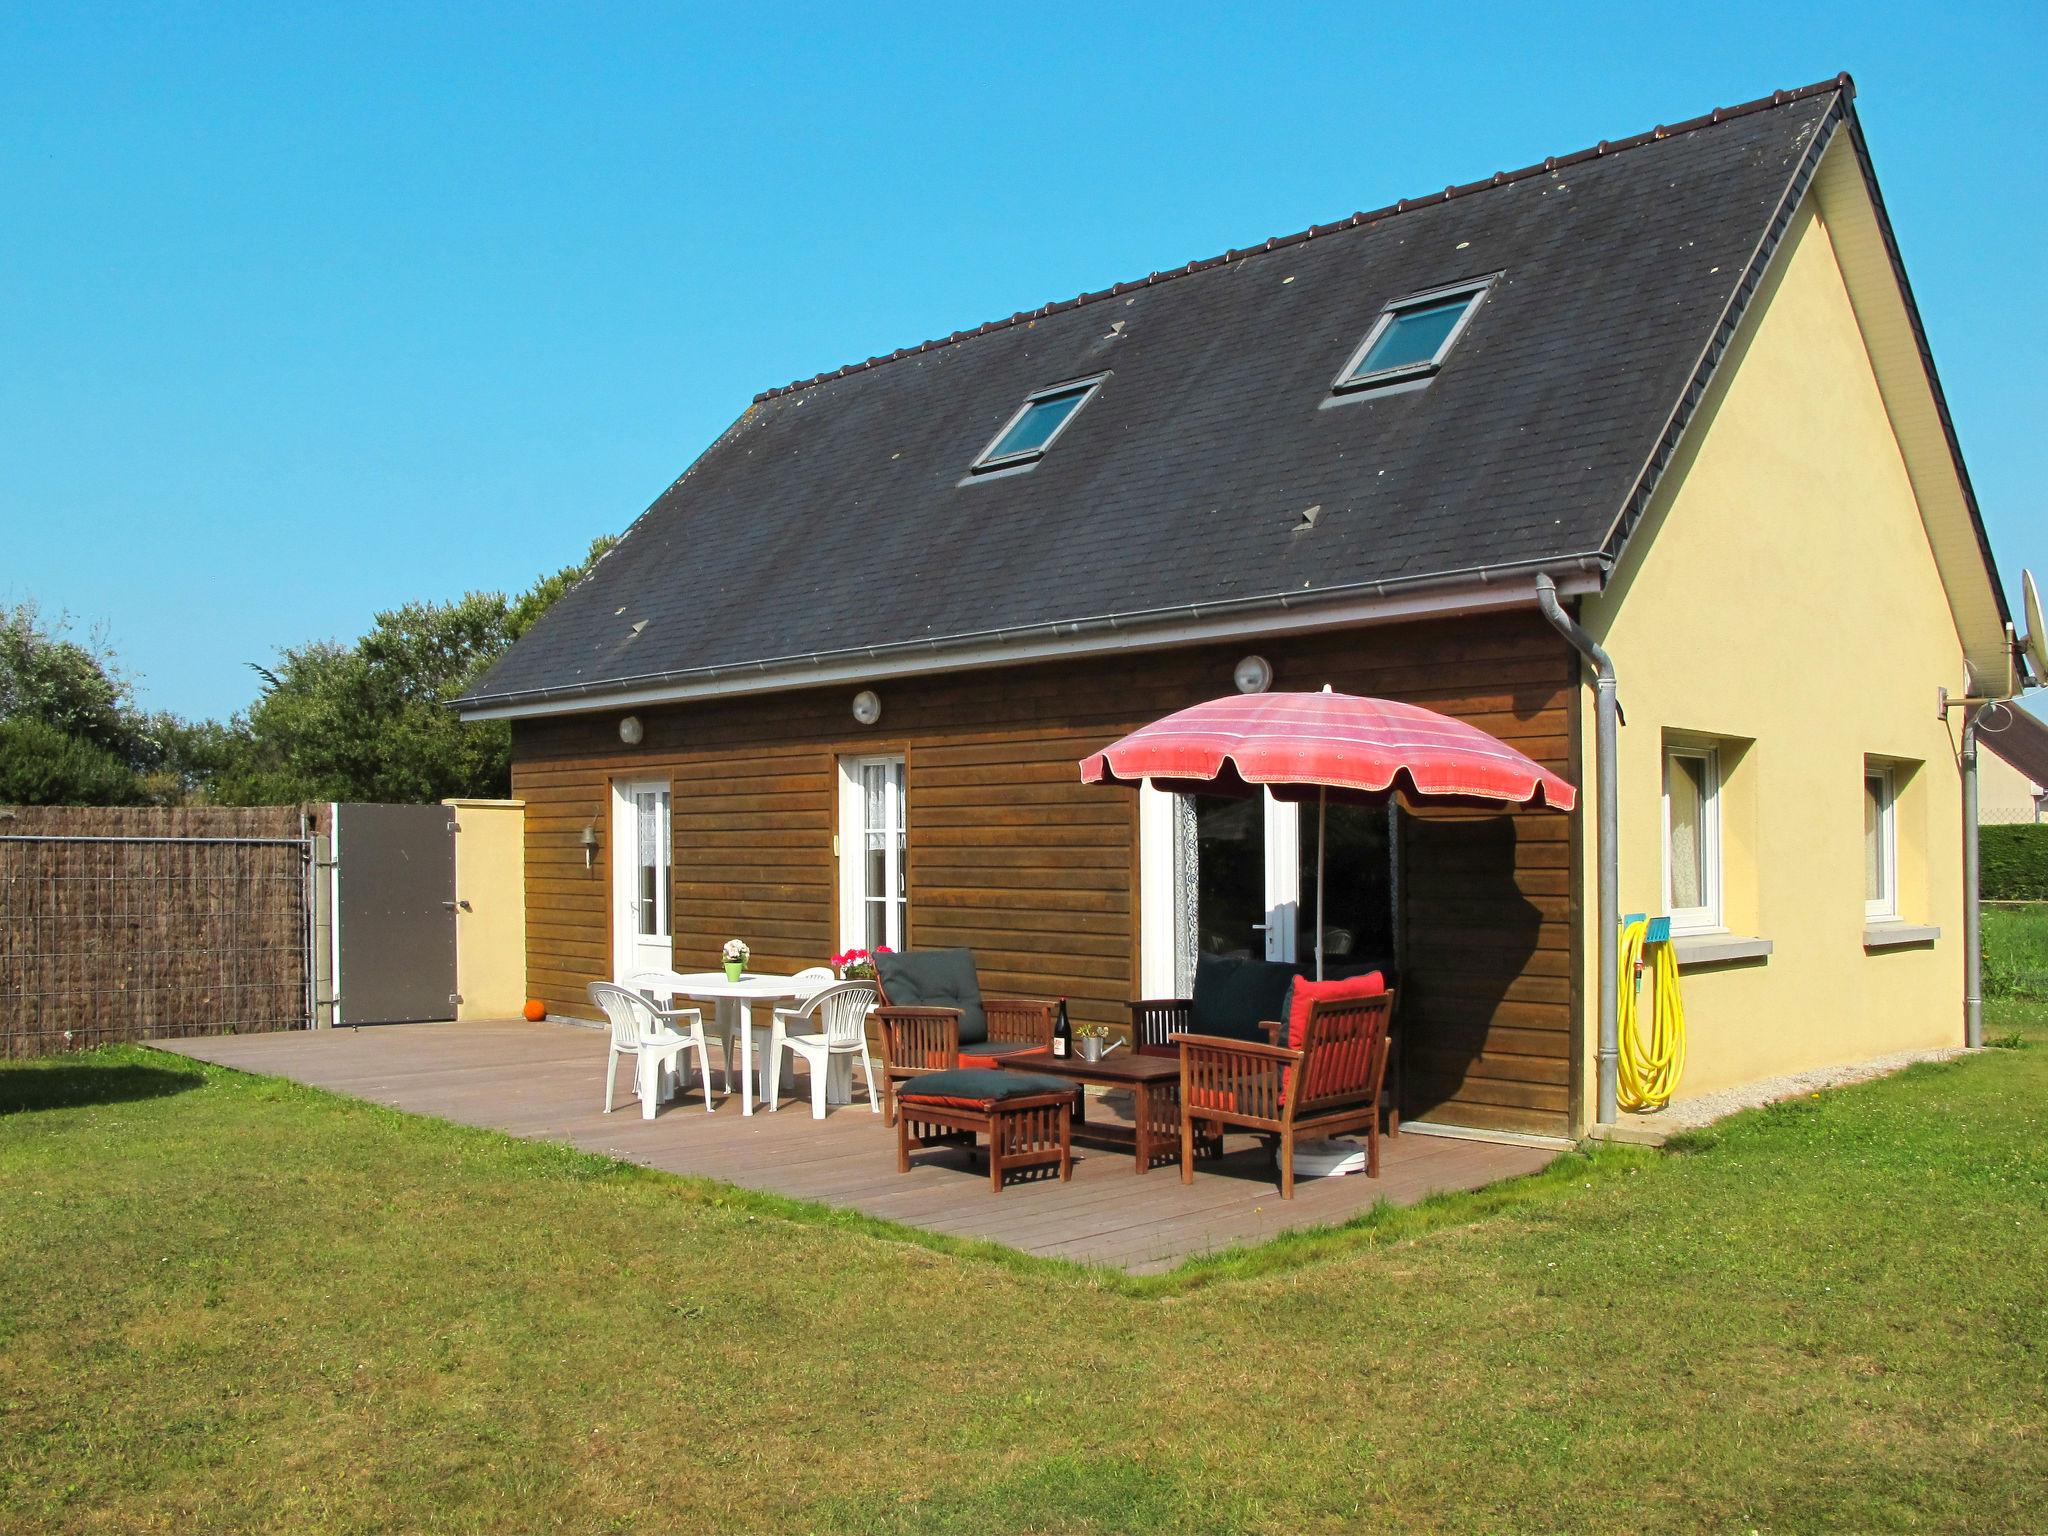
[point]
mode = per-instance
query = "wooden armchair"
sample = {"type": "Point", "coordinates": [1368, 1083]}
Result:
{"type": "Point", "coordinates": [932, 1018]}
{"type": "Point", "coordinates": [1157, 1021]}
{"type": "Point", "coordinates": [1330, 1084]}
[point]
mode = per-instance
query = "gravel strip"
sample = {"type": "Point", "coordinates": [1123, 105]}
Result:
{"type": "Point", "coordinates": [1689, 1114]}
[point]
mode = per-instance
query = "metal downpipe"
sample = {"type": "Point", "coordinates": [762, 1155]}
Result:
{"type": "Point", "coordinates": [1973, 946]}
{"type": "Point", "coordinates": [1605, 720]}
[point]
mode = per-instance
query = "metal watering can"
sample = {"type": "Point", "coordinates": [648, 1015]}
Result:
{"type": "Point", "coordinates": [1094, 1047]}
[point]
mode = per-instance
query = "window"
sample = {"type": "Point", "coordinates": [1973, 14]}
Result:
{"type": "Point", "coordinates": [1411, 337]}
{"type": "Point", "coordinates": [653, 865]}
{"type": "Point", "coordinates": [1880, 844]}
{"type": "Point", "coordinates": [1038, 422]}
{"type": "Point", "coordinates": [873, 853]}
{"type": "Point", "coordinates": [1692, 837]}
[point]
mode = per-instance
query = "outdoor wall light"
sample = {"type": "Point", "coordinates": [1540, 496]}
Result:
{"type": "Point", "coordinates": [588, 838]}
{"type": "Point", "coordinates": [631, 730]}
{"type": "Point", "coordinates": [1253, 675]}
{"type": "Point", "coordinates": [867, 706]}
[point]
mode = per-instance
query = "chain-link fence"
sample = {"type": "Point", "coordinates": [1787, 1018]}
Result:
{"type": "Point", "coordinates": [131, 933]}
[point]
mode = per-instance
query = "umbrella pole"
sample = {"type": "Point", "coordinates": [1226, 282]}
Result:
{"type": "Point", "coordinates": [1322, 821]}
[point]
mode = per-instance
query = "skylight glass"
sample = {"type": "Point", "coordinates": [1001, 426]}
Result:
{"type": "Point", "coordinates": [1411, 338]}
{"type": "Point", "coordinates": [1038, 421]}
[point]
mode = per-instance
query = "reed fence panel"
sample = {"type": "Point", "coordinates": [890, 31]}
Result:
{"type": "Point", "coordinates": [147, 923]}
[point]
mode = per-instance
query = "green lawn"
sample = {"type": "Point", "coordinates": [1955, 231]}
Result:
{"type": "Point", "coordinates": [231, 1303]}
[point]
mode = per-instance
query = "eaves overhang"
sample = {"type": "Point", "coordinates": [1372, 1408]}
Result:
{"type": "Point", "coordinates": [1478, 590]}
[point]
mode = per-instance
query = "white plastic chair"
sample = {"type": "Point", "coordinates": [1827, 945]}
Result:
{"type": "Point", "coordinates": [722, 1031]}
{"type": "Point", "coordinates": [650, 1036]}
{"type": "Point", "coordinates": [843, 1009]}
{"type": "Point", "coordinates": [768, 1054]}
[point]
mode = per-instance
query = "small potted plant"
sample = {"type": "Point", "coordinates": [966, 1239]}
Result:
{"type": "Point", "coordinates": [1092, 1042]}
{"type": "Point", "coordinates": [736, 955]}
{"type": "Point", "coordinates": [857, 964]}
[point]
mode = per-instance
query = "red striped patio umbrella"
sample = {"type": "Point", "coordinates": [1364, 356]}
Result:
{"type": "Point", "coordinates": [1328, 745]}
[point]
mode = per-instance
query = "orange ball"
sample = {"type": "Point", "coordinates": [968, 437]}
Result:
{"type": "Point", "coordinates": [536, 1010]}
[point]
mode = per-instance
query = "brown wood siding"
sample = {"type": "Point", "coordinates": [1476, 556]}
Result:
{"type": "Point", "coordinates": [1010, 855]}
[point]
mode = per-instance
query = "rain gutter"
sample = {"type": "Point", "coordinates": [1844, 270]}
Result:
{"type": "Point", "coordinates": [1497, 586]}
{"type": "Point", "coordinates": [1606, 712]}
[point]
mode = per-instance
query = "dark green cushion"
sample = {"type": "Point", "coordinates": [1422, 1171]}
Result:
{"type": "Point", "coordinates": [1232, 997]}
{"type": "Point", "coordinates": [980, 1085]}
{"type": "Point", "coordinates": [935, 978]}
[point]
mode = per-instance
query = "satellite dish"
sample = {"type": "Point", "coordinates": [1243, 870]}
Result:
{"type": "Point", "coordinates": [2035, 641]}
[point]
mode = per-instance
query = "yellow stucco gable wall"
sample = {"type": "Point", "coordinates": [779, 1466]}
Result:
{"type": "Point", "coordinates": [1781, 599]}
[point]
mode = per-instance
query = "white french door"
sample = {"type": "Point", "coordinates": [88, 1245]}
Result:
{"type": "Point", "coordinates": [1217, 876]}
{"type": "Point", "coordinates": [873, 853]}
{"type": "Point", "coordinates": [643, 878]}
{"type": "Point", "coordinates": [1238, 877]}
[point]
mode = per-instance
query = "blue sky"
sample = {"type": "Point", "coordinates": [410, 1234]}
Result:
{"type": "Point", "coordinates": [305, 313]}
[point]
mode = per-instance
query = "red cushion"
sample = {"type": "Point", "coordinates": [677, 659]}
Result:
{"type": "Point", "coordinates": [1339, 1072]}
{"type": "Point", "coordinates": [1305, 993]}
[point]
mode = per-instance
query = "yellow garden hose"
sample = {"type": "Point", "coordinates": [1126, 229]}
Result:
{"type": "Point", "coordinates": [1650, 1068]}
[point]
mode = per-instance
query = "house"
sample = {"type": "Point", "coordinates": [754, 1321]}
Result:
{"type": "Point", "coordinates": [2012, 769]}
{"type": "Point", "coordinates": [832, 687]}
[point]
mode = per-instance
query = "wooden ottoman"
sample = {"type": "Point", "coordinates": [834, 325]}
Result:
{"type": "Point", "coordinates": [1028, 1118]}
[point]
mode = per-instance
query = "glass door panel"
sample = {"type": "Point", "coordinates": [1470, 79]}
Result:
{"type": "Point", "coordinates": [884, 850]}
{"type": "Point", "coordinates": [1230, 907]}
{"type": "Point", "coordinates": [1358, 892]}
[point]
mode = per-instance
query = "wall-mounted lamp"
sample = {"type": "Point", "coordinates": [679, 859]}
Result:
{"type": "Point", "coordinates": [1253, 675]}
{"type": "Point", "coordinates": [867, 706]}
{"type": "Point", "coordinates": [631, 730]}
{"type": "Point", "coordinates": [588, 838]}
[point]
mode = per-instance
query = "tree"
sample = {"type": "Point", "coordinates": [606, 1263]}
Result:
{"type": "Point", "coordinates": [69, 729]}
{"type": "Point", "coordinates": [371, 721]}
{"type": "Point", "coordinates": [76, 688]}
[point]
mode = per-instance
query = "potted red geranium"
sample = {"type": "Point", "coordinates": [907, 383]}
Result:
{"type": "Point", "coordinates": [857, 964]}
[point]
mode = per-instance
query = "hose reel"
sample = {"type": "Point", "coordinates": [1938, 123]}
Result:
{"type": "Point", "coordinates": [1650, 1064]}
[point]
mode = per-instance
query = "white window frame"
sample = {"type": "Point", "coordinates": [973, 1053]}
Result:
{"type": "Point", "coordinates": [853, 893]}
{"type": "Point", "coordinates": [1886, 905]}
{"type": "Point", "coordinates": [1348, 380]}
{"type": "Point", "coordinates": [1084, 388]}
{"type": "Point", "coordinates": [1703, 919]}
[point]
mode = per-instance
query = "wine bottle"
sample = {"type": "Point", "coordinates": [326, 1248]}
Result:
{"type": "Point", "coordinates": [1062, 1032]}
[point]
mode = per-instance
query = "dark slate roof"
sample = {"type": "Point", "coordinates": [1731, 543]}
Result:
{"type": "Point", "coordinates": [832, 517]}
{"type": "Point", "coordinates": [2018, 736]}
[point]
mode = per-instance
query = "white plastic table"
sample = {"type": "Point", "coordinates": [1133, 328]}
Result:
{"type": "Point", "coordinates": [739, 997]}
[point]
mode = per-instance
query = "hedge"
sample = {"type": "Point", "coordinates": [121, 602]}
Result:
{"type": "Point", "coordinates": [2013, 862]}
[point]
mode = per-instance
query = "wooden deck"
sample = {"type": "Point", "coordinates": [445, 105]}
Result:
{"type": "Point", "coordinates": [544, 1081]}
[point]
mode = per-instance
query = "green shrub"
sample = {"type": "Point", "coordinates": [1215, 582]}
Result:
{"type": "Point", "coordinates": [2016, 951]}
{"type": "Point", "coordinates": [2013, 862]}
{"type": "Point", "coordinates": [41, 765]}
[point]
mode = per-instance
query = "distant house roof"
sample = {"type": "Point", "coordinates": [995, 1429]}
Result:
{"type": "Point", "coordinates": [1214, 470]}
{"type": "Point", "coordinates": [2018, 736]}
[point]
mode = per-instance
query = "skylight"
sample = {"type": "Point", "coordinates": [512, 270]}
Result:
{"type": "Point", "coordinates": [1411, 337]}
{"type": "Point", "coordinates": [1038, 422]}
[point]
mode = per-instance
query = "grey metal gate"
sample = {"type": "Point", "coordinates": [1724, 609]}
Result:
{"type": "Point", "coordinates": [394, 913]}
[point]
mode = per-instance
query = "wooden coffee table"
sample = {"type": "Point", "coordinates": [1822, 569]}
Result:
{"type": "Point", "coordinates": [1154, 1082]}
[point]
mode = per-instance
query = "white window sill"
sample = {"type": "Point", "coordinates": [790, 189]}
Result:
{"type": "Point", "coordinates": [1718, 948]}
{"type": "Point", "coordinates": [1890, 933]}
